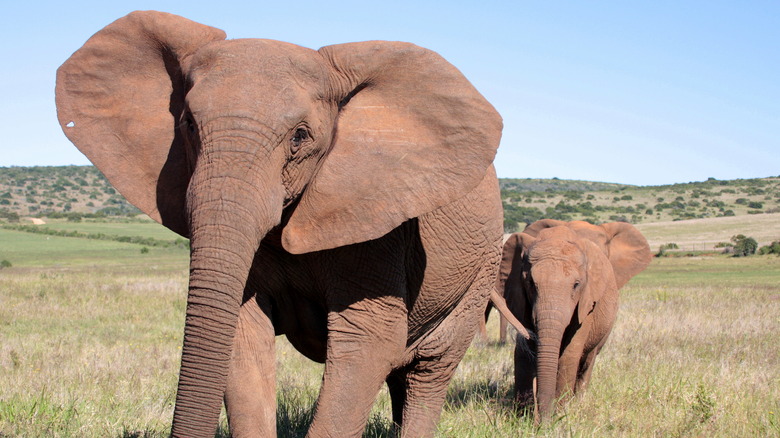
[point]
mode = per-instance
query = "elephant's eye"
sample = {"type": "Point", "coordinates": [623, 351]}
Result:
{"type": "Point", "coordinates": [576, 284]}
{"type": "Point", "coordinates": [299, 138]}
{"type": "Point", "coordinates": [189, 125]}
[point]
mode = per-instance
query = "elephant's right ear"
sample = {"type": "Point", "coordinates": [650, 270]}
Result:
{"type": "Point", "coordinates": [534, 228]}
{"type": "Point", "coordinates": [119, 98]}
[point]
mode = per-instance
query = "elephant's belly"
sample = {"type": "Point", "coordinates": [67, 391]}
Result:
{"type": "Point", "coordinates": [304, 323]}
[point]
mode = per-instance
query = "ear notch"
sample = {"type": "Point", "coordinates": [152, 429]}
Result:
{"type": "Point", "coordinates": [118, 100]}
{"type": "Point", "coordinates": [509, 282]}
{"type": "Point", "coordinates": [412, 135]}
{"type": "Point", "coordinates": [600, 279]}
{"type": "Point", "coordinates": [534, 228]}
{"type": "Point", "coordinates": [627, 249]}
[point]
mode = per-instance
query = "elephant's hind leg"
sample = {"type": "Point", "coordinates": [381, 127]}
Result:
{"type": "Point", "coordinates": [437, 357]}
{"type": "Point", "coordinates": [250, 396]}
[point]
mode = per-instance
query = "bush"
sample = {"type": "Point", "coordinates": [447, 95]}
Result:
{"type": "Point", "coordinates": [5, 264]}
{"type": "Point", "coordinates": [665, 247]}
{"type": "Point", "coordinates": [772, 248]}
{"type": "Point", "coordinates": [744, 246]}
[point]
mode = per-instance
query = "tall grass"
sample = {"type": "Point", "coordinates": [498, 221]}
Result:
{"type": "Point", "coordinates": [91, 349]}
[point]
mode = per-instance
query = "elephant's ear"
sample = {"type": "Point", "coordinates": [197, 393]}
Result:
{"type": "Point", "coordinates": [600, 279]}
{"type": "Point", "coordinates": [628, 251]}
{"type": "Point", "coordinates": [509, 282]}
{"type": "Point", "coordinates": [119, 98]}
{"type": "Point", "coordinates": [534, 228]}
{"type": "Point", "coordinates": [412, 135]}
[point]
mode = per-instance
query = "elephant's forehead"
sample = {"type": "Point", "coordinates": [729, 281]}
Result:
{"type": "Point", "coordinates": [553, 250]}
{"type": "Point", "coordinates": [260, 63]}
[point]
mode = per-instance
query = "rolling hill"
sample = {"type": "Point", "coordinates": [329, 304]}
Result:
{"type": "Point", "coordinates": [702, 213]}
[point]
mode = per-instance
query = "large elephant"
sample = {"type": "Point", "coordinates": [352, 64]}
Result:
{"type": "Point", "coordinates": [561, 280]}
{"type": "Point", "coordinates": [344, 197]}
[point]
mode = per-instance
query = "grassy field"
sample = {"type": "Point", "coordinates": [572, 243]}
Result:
{"type": "Point", "coordinates": [91, 334]}
{"type": "Point", "coordinates": [703, 234]}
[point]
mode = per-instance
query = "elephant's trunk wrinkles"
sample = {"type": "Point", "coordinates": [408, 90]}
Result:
{"type": "Point", "coordinates": [224, 238]}
{"type": "Point", "coordinates": [550, 332]}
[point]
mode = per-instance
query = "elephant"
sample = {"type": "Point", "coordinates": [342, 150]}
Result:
{"type": "Point", "coordinates": [561, 280]}
{"type": "Point", "coordinates": [344, 197]}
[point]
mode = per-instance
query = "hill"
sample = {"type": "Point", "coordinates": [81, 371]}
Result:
{"type": "Point", "coordinates": [526, 201]}
{"type": "Point", "coordinates": [76, 192]}
{"type": "Point", "coordinates": [58, 191]}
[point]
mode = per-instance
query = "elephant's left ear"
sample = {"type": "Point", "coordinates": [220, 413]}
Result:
{"type": "Point", "coordinates": [600, 281]}
{"type": "Point", "coordinates": [412, 135]}
{"type": "Point", "coordinates": [628, 251]}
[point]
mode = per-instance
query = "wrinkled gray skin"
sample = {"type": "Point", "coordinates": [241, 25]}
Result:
{"type": "Point", "coordinates": [561, 280]}
{"type": "Point", "coordinates": [344, 197]}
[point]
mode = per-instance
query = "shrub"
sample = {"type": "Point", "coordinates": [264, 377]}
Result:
{"type": "Point", "coordinates": [755, 204]}
{"type": "Point", "coordinates": [5, 264]}
{"type": "Point", "coordinates": [665, 247]}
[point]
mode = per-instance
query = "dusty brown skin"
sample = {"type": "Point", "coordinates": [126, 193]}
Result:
{"type": "Point", "coordinates": [343, 197]}
{"type": "Point", "coordinates": [561, 280]}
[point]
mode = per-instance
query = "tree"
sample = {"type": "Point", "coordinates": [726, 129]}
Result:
{"type": "Point", "coordinates": [744, 246]}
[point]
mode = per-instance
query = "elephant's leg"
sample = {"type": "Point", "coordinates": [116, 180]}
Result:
{"type": "Point", "coordinates": [525, 372]}
{"type": "Point", "coordinates": [586, 367]}
{"type": "Point", "coordinates": [502, 327]}
{"type": "Point", "coordinates": [569, 365]}
{"type": "Point", "coordinates": [437, 357]}
{"type": "Point", "coordinates": [482, 333]}
{"type": "Point", "coordinates": [250, 397]}
{"type": "Point", "coordinates": [365, 340]}
{"type": "Point", "coordinates": [396, 385]}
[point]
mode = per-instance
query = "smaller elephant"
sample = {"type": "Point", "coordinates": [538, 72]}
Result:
{"type": "Point", "coordinates": [561, 280]}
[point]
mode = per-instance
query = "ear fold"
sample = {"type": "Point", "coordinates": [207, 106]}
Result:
{"type": "Point", "coordinates": [627, 249]}
{"type": "Point", "coordinates": [118, 100]}
{"type": "Point", "coordinates": [509, 282]}
{"type": "Point", "coordinates": [600, 279]}
{"type": "Point", "coordinates": [534, 228]}
{"type": "Point", "coordinates": [412, 135]}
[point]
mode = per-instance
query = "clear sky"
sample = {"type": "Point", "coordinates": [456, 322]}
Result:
{"type": "Point", "coordinates": [640, 93]}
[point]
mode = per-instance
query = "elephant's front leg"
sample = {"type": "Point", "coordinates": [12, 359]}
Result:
{"type": "Point", "coordinates": [366, 338]}
{"type": "Point", "coordinates": [569, 363]}
{"type": "Point", "coordinates": [250, 397]}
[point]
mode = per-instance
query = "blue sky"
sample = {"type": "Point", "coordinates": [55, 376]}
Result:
{"type": "Point", "coordinates": [639, 93]}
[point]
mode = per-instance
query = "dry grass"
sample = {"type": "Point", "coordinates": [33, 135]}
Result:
{"type": "Point", "coordinates": [93, 353]}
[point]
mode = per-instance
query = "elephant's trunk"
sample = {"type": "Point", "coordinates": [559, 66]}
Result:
{"type": "Point", "coordinates": [227, 223]}
{"type": "Point", "coordinates": [550, 332]}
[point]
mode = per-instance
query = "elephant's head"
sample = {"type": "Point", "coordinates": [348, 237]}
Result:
{"type": "Point", "coordinates": [554, 274]}
{"type": "Point", "coordinates": [224, 140]}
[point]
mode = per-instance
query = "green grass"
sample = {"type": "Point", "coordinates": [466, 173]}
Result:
{"type": "Point", "coordinates": [91, 335]}
{"type": "Point", "coordinates": [147, 229]}
{"type": "Point", "coordinates": [40, 250]}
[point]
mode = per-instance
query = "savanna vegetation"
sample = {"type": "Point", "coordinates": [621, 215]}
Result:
{"type": "Point", "coordinates": [528, 200]}
{"type": "Point", "coordinates": [92, 307]}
